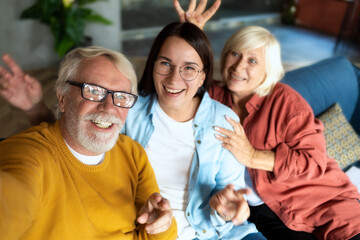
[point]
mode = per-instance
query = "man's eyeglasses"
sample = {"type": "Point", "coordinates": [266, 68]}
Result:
{"type": "Point", "coordinates": [188, 72]}
{"type": "Point", "coordinates": [97, 93]}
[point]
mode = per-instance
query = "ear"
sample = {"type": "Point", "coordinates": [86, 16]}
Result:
{"type": "Point", "coordinates": [62, 101]}
{"type": "Point", "coordinates": [203, 77]}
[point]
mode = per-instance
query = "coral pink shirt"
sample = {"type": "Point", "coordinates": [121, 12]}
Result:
{"type": "Point", "coordinates": [305, 181]}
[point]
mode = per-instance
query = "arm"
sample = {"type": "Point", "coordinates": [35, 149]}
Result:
{"type": "Point", "coordinates": [196, 15]}
{"type": "Point", "coordinates": [300, 152]}
{"type": "Point", "coordinates": [24, 92]}
{"type": "Point", "coordinates": [238, 144]}
{"type": "Point", "coordinates": [20, 190]}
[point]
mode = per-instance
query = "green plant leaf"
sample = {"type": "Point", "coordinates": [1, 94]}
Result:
{"type": "Point", "coordinates": [97, 18]}
{"type": "Point", "coordinates": [33, 12]}
{"type": "Point", "coordinates": [84, 2]}
{"type": "Point", "coordinates": [64, 46]}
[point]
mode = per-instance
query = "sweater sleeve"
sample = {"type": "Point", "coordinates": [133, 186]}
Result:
{"type": "Point", "coordinates": [20, 187]}
{"type": "Point", "coordinates": [147, 185]}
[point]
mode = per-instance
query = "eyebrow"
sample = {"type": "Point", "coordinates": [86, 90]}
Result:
{"type": "Point", "coordinates": [186, 63]}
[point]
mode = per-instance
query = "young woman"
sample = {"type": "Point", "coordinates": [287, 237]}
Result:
{"type": "Point", "coordinates": [174, 121]}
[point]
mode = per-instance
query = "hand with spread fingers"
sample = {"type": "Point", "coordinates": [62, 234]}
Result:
{"type": "Point", "coordinates": [19, 89]}
{"type": "Point", "coordinates": [197, 15]}
{"type": "Point", "coordinates": [156, 214]}
{"type": "Point", "coordinates": [231, 205]}
{"type": "Point", "coordinates": [238, 144]}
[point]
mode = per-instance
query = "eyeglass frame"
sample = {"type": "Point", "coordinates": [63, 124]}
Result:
{"type": "Point", "coordinates": [172, 66]}
{"type": "Point", "coordinates": [81, 85]}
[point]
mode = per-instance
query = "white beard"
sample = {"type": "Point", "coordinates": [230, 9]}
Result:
{"type": "Point", "coordinates": [92, 140]}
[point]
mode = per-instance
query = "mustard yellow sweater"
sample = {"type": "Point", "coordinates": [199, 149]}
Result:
{"type": "Point", "coordinates": [46, 193]}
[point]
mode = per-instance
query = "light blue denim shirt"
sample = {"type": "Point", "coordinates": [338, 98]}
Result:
{"type": "Point", "coordinates": [212, 167]}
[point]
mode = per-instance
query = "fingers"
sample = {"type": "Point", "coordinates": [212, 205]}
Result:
{"type": "Point", "coordinates": [4, 74]}
{"type": "Point", "coordinates": [146, 213]}
{"type": "Point", "coordinates": [242, 213]}
{"type": "Point", "coordinates": [14, 67]}
{"type": "Point", "coordinates": [201, 7]}
{"type": "Point", "coordinates": [179, 11]}
{"type": "Point", "coordinates": [156, 214]}
{"type": "Point", "coordinates": [161, 224]}
{"type": "Point", "coordinates": [192, 6]}
{"type": "Point", "coordinates": [212, 10]}
{"type": "Point", "coordinates": [231, 205]}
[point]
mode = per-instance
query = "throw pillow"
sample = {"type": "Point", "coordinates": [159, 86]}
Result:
{"type": "Point", "coordinates": [342, 142]}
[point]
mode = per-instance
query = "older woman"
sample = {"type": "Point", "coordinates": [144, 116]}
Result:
{"type": "Point", "coordinates": [299, 192]}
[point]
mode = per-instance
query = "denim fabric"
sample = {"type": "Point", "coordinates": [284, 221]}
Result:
{"type": "Point", "coordinates": [212, 167]}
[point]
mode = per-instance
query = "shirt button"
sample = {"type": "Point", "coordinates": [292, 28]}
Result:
{"type": "Point", "coordinates": [204, 231]}
{"type": "Point", "coordinates": [195, 125]}
{"type": "Point", "coordinates": [188, 214]}
{"type": "Point", "coordinates": [198, 141]}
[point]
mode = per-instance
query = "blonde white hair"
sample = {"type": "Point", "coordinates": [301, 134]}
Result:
{"type": "Point", "coordinates": [70, 64]}
{"type": "Point", "coordinates": [253, 37]}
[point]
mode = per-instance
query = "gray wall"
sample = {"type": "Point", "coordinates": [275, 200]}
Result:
{"type": "Point", "coordinates": [31, 43]}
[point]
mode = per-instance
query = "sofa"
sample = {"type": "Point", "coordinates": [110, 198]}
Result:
{"type": "Point", "coordinates": [332, 89]}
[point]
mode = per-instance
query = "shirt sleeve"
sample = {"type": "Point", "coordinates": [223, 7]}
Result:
{"type": "Point", "coordinates": [231, 172]}
{"type": "Point", "coordinates": [302, 153]}
{"type": "Point", "coordinates": [20, 188]}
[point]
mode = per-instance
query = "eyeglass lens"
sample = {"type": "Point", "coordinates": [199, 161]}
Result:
{"type": "Point", "coordinates": [188, 72]}
{"type": "Point", "coordinates": [97, 93]}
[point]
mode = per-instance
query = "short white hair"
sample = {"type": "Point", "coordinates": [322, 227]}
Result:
{"type": "Point", "coordinates": [70, 64]}
{"type": "Point", "coordinates": [253, 37]}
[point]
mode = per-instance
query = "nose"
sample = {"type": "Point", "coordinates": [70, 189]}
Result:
{"type": "Point", "coordinates": [174, 76]}
{"type": "Point", "coordinates": [107, 104]}
{"type": "Point", "coordinates": [239, 64]}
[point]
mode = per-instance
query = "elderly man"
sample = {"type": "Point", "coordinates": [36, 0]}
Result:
{"type": "Point", "coordinates": [78, 178]}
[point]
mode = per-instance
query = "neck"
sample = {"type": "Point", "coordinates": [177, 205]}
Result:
{"type": "Point", "coordinates": [183, 113]}
{"type": "Point", "coordinates": [239, 103]}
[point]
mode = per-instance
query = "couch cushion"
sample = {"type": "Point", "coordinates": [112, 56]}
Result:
{"type": "Point", "coordinates": [342, 142]}
{"type": "Point", "coordinates": [325, 83]}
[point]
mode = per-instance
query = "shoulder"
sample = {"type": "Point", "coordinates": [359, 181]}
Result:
{"type": "Point", "coordinates": [286, 105]}
{"type": "Point", "coordinates": [215, 111]}
{"type": "Point", "coordinates": [285, 96]}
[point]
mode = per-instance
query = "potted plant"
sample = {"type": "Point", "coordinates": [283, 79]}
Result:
{"type": "Point", "coordinates": [66, 19]}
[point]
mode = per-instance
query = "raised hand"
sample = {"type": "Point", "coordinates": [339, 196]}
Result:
{"type": "Point", "coordinates": [231, 205]}
{"type": "Point", "coordinates": [156, 214]}
{"type": "Point", "coordinates": [19, 89]}
{"type": "Point", "coordinates": [196, 15]}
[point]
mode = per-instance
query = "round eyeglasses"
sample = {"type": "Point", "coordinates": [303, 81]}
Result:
{"type": "Point", "coordinates": [97, 93]}
{"type": "Point", "coordinates": [188, 72]}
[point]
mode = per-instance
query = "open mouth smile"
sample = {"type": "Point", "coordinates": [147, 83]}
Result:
{"type": "Point", "coordinates": [237, 78]}
{"type": "Point", "coordinates": [173, 91]}
{"type": "Point", "coordinates": [103, 125]}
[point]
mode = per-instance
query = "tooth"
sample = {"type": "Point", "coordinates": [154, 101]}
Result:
{"type": "Point", "coordinates": [172, 90]}
{"type": "Point", "coordinates": [102, 124]}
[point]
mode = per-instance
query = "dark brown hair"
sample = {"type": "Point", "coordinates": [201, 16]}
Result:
{"type": "Point", "coordinates": [192, 35]}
